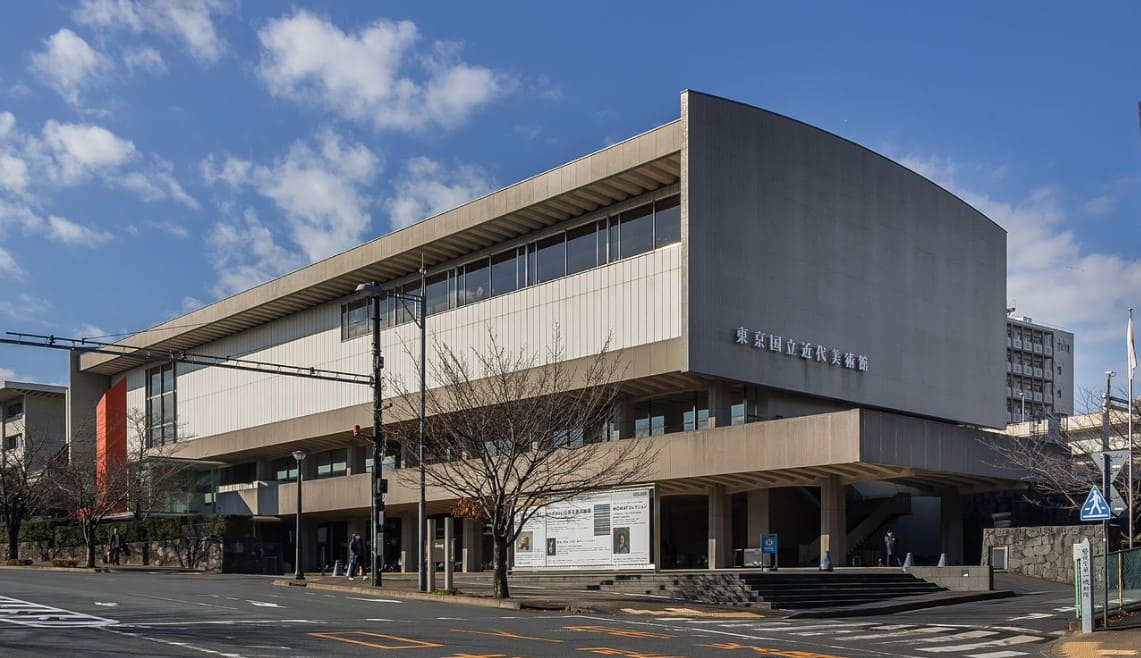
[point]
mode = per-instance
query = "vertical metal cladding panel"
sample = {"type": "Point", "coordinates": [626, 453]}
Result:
{"type": "Point", "coordinates": [612, 301]}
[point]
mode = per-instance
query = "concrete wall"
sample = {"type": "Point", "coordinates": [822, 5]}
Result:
{"type": "Point", "coordinates": [45, 425]}
{"type": "Point", "coordinates": [957, 579]}
{"type": "Point", "coordinates": [1043, 552]}
{"type": "Point", "coordinates": [83, 392]}
{"type": "Point", "coordinates": [796, 232]}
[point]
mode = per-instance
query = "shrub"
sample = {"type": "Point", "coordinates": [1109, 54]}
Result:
{"type": "Point", "coordinates": [18, 562]}
{"type": "Point", "coordinates": [67, 563]}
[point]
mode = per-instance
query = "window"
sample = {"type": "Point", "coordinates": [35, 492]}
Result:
{"type": "Point", "coordinates": [582, 250]}
{"type": "Point", "coordinates": [354, 319]}
{"type": "Point", "coordinates": [667, 221]}
{"type": "Point", "coordinates": [504, 272]}
{"type": "Point", "coordinates": [14, 411]}
{"type": "Point", "coordinates": [475, 285]}
{"type": "Point", "coordinates": [636, 231]}
{"type": "Point", "coordinates": [438, 296]}
{"type": "Point", "coordinates": [285, 469]}
{"type": "Point", "coordinates": [12, 442]}
{"type": "Point", "coordinates": [238, 474]}
{"type": "Point", "coordinates": [161, 406]}
{"type": "Point", "coordinates": [333, 462]}
{"type": "Point", "coordinates": [552, 258]}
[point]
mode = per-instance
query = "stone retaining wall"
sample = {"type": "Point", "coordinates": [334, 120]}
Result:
{"type": "Point", "coordinates": [1042, 552]}
{"type": "Point", "coordinates": [206, 555]}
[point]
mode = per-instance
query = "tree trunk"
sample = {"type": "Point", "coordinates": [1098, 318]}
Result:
{"type": "Point", "coordinates": [90, 537]}
{"type": "Point", "coordinates": [499, 565]}
{"type": "Point", "coordinates": [14, 538]}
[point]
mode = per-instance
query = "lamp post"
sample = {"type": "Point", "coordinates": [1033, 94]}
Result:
{"type": "Point", "coordinates": [1022, 394]}
{"type": "Point", "coordinates": [298, 574]}
{"type": "Point", "coordinates": [376, 292]}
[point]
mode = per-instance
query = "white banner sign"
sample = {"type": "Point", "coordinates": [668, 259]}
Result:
{"type": "Point", "coordinates": [599, 531]}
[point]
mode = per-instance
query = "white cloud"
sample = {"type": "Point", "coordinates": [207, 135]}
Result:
{"type": "Point", "coordinates": [7, 122]}
{"type": "Point", "coordinates": [427, 188]}
{"type": "Point", "coordinates": [191, 23]}
{"type": "Point", "coordinates": [319, 187]}
{"type": "Point", "coordinates": [78, 150]}
{"type": "Point", "coordinates": [91, 332]}
{"type": "Point", "coordinates": [13, 174]}
{"type": "Point", "coordinates": [364, 76]}
{"type": "Point", "coordinates": [157, 184]}
{"type": "Point", "coordinates": [67, 64]}
{"type": "Point", "coordinates": [1051, 275]}
{"type": "Point", "coordinates": [189, 304]}
{"type": "Point", "coordinates": [68, 232]}
{"type": "Point", "coordinates": [8, 265]}
{"type": "Point", "coordinates": [144, 60]}
{"type": "Point", "coordinates": [19, 215]}
{"type": "Point", "coordinates": [245, 254]}
{"type": "Point", "coordinates": [8, 374]}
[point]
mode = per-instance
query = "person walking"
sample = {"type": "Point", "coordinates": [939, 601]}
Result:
{"type": "Point", "coordinates": [889, 548]}
{"type": "Point", "coordinates": [355, 549]}
{"type": "Point", "coordinates": [116, 545]}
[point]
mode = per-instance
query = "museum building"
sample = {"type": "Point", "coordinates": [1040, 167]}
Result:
{"type": "Point", "coordinates": [811, 332]}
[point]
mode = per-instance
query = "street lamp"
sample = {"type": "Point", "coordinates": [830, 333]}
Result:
{"type": "Point", "coordinates": [377, 292]}
{"type": "Point", "coordinates": [298, 574]}
{"type": "Point", "coordinates": [1022, 394]}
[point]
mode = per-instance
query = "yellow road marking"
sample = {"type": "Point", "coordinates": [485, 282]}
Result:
{"type": "Point", "coordinates": [764, 651]}
{"type": "Point", "coordinates": [505, 634]}
{"type": "Point", "coordinates": [408, 643]}
{"type": "Point", "coordinates": [626, 653]}
{"type": "Point", "coordinates": [619, 632]}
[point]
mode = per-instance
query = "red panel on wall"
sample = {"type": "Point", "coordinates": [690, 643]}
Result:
{"type": "Point", "coordinates": [111, 432]}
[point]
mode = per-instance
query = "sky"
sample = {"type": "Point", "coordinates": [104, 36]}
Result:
{"type": "Point", "coordinates": [156, 157]}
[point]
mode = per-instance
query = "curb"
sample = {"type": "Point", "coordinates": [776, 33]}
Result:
{"type": "Point", "coordinates": [461, 599]}
{"type": "Point", "coordinates": [106, 569]}
{"type": "Point", "coordinates": [898, 606]}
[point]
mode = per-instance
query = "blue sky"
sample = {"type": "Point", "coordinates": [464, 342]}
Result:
{"type": "Point", "coordinates": [156, 157]}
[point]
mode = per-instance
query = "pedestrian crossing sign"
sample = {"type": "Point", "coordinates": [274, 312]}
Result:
{"type": "Point", "coordinates": [1095, 508]}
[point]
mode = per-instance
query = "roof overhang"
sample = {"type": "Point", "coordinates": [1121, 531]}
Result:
{"type": "Point", "coordinates": [628, 169]}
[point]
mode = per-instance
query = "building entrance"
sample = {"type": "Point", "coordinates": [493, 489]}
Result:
{"type": "Point", "coordinates": [685, 532]}
{"type": "Point", "coordinates": [332, 543]}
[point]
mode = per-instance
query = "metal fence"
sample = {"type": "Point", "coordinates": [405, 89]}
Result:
{"type": "Point", "coordinates": [1123, 579]}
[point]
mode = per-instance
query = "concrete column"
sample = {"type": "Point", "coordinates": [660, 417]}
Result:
{"type": "Point", "coordinates": [449, 553]}
{"type": "Point", "coordinates": [407, 543]}
{"type": "Point", "coordinates": [720, 528]}
{"type": "Point", "coordinates": [758, 517]}
{"type": "Point", "coordinates": [623, 418]}
{"type": "Point", "coordinates": [833, 521]}
{"type": "Point", "coordinates": [264, 470]}
{"type": "Point", "coordinates": [430, 540]}
{"type": "Point", "coordinates": [720, 405]}
{"type": "Point", "coordinates": [472, 558]}
{"type": "Point", "coordinates": [951, 525]}
{"type": "Point", "coordinates": [356, 459]}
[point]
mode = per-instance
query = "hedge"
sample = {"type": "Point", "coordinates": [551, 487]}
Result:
{"type": "Point", "coordinates": [61, 533]}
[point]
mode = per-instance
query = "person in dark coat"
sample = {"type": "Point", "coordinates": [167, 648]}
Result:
{"type": "Point", "coordinates": [356, 549]}
{"type": "Point", "coordinates": [889, 548]}
{"type": "Point", "coordinates": [116, 545]}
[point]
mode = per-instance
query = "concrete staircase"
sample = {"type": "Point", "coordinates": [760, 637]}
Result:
{"type": "Point", "coordinates": [806, 590]}
{"type": "Point", "coordinates": [712, 588]}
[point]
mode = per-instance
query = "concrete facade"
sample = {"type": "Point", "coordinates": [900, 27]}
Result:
{"type": "Point", "coordinates": [889, 289]}
{"type": "Point", "coordinates": [1039, 370]}
{"type": "Point", "coordinates": [32, 421]}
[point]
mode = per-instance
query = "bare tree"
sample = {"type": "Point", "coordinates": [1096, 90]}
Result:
{"type": "Point", "coordinates": [1061, 454]}
{"type": "Point", "coordinates": [507, 432]}
{"type": "Point", "coordinates": [134, 484]}
{"type": "Point", "coordinates": [23, 486]}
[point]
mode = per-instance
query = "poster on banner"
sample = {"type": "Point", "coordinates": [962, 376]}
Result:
{"type": "Point", "coordinates": [609, 529]}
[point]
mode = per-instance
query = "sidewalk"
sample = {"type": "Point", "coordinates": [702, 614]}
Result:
{"type": "Point", "coordinates": [1122, 640]}
{"type": "Point", "coordinates": [472, 589]}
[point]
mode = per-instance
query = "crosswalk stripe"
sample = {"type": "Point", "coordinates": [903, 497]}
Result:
{"type": "Point", "coordinates": [967, 635]}
{"type": "Point", "coordinates": [807, 627]}
{"type": "Point", "coordinates": [1002, 642]}
{"type": "Point", "coordinates": [926, 630]}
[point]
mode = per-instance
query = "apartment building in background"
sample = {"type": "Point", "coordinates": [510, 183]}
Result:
{"type": "Point", "coordinates": [1039, 370]}
{"type": "Point", "coordinates": [32, 420]}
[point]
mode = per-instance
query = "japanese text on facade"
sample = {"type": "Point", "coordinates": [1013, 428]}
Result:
{"type": "Point", "coordinates": [801, 349]}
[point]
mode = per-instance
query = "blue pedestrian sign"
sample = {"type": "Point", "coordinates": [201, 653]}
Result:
{"type": "Point", "coordinates": [1095, 508]}
{"type": "Point", "coordinates": [769, 544]}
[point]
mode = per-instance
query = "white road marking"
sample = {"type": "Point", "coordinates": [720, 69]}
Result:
{"type": "Point", "coordinates": [925, 630]}
{"type": "Point", "coordinates": [358, 598]}
{"type": "Point", "coordinates": [263, 604]}
{"type": "Point", "coordinates": [1001, 642]}
{"type": "Point", "coordinates": [36, 615]}
{"type": "Point", "coordinates": [183, 645]}
{"type": "Point", "coordinates": [106, 604]}
{"type": "Point", "coordinates": [968, 635]}
{"type": "Point", "coordinates": [1032, 615]}
{"type": "Point", "coordinates": [997, 654]}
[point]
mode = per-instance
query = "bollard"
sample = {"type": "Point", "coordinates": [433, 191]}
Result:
{"type": "Point", "coordinates": [908, 561]}
{"type": "Point", "coordinates": [942, 560]}
{"type": "Point", "coordinates": [338, 568]}
{"type": "Point", "coordinates": [826, 563]}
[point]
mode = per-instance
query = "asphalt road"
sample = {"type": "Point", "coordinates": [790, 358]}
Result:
{"type": "Point", "coordinates": [47, 613]}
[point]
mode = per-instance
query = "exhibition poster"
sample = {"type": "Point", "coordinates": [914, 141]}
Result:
{"type": "Point", "coordinates": [608, 529]}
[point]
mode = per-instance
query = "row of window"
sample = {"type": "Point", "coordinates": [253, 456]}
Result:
{"type": "Point", "coordinates": [161, 412]}
{"type": "Point", "coordinates": [13, 411]}
{"type": "Point", "coordinates": [329, 464]}
{"type": "Point", "coordinates": [13, 442]}
{"type": "Point", "coordinates": [593, 244]}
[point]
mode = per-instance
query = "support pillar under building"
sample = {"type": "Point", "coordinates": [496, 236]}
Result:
{"type": "Point", "coordinates": [951, 526]}
{"type": "Point", "coordinates": [833, 521]}
{"type": "Point", "coordinates": [472, 558]}
{"type": "Point", "coordinates": [758, 517]}
{"type": "Point", "coordinates": [408, 543]}
{"type": "Point", "coordinates": [720, 528]}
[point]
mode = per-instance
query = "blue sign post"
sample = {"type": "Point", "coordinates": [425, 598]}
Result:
{"type": "Point", "coordinates": [769, 547]}
{"type": "Point", "coordinates": [1095, 508]}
